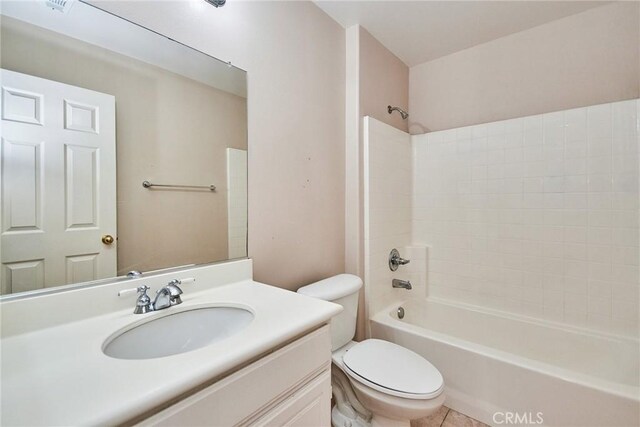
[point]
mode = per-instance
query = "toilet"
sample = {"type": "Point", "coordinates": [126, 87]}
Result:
{"type": "Point", "coordinates": [374, 382]}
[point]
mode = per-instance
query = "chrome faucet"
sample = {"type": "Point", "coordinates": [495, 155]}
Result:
{"type": "Point", "coordinates": [404, 284]}
{"type": "Point", "coordinates": [167, 296]}
{"type": "Point", "coordinates": [395, 260]}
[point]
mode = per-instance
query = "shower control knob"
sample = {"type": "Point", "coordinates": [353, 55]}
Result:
{"type": "Point", "coordinates": [395, 260]}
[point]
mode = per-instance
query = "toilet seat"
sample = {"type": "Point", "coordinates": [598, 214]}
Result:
{"type": "Point", "coordinates": [393, 370]}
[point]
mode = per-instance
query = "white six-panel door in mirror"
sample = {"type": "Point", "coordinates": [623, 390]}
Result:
{"type": "Point", "coordinates": [58, 183]}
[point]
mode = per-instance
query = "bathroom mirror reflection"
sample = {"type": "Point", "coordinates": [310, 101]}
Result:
{"type": "Point", "coordinates": [98, 106]}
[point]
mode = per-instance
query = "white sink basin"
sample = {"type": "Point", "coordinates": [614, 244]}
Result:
{"type": "Point", "coordinates": [176, 333]}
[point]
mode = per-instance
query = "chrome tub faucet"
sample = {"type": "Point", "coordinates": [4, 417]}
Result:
{"type": "Point", "coordinates": [395, 260]}
{"type": "Point", "coordinates": [403, 284]}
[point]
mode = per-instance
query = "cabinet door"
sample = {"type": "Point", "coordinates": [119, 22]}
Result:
{"type": "Point", "coordinates": [308, 407]}
{"type": "Point", "coordinates": [254, 390]}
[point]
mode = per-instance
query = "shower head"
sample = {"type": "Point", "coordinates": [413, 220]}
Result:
{"type": "Point", "coordinates": [403, 113]}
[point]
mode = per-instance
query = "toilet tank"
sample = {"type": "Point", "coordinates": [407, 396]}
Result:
{"type": "Point", "coordinates": [341, 289]}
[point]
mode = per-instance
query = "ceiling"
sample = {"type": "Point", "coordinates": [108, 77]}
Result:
{"type": "Point", "coordinates": [420, 31]}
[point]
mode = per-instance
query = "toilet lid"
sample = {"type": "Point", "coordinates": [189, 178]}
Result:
{"type": "Point", "coordinates": [392, 369]}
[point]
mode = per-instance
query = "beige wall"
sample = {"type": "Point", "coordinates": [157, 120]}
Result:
{"type": "Point", "coordinates": [294, 55]}
{"type": "Point", "coordinates": [169, 129]}
{"type": "Point", "coordinates": [585, 59]}
{"type": "Point", "coordinates": [384, 80]}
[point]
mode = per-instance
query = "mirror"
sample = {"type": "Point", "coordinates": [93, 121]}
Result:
{"type": "Point", "coordinates": [93, 106]}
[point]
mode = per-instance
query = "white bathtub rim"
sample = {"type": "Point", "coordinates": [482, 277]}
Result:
{"type": "Point", "coordinates": [621, 390]}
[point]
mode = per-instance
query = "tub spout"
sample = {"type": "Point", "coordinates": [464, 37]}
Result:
{"type": "Point", "coordinates": [404, 284]}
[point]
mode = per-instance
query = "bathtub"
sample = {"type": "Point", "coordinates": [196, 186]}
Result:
{"type": "Point", "coordinates": [507, 370]}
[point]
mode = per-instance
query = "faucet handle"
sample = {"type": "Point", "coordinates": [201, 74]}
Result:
{"type": "Point", "coordinates": [182, 281]}
{"type": "Point", "coordinates": [143, 303]}
{"type": "Point", "coordinates": [140, 289]}
{"type": "Point", "coordinates": [395, 260]}
{"type": "Point", "coordinates": [175, 291]}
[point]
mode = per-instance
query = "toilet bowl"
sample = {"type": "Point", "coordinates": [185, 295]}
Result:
{"type": "Point", "coordinates": [395, 384]}
{"type": "Point", "coordinates": [375, 382]}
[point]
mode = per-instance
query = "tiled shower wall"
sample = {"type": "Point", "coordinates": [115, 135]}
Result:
{"type": "Point", "coordinates": [537, 216]}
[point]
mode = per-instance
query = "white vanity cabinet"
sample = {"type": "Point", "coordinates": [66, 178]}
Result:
{"type": "Point", "coordinates": [275, 371]}
{"type": "Point", "coordinates": [290, 386]}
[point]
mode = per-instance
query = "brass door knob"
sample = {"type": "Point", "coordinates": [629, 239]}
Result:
{"type": "Point", "coordinates": [107, 239]}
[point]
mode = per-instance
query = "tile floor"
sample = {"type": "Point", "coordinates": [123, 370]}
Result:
{"type": "Point", "coordinates": [446, 417]}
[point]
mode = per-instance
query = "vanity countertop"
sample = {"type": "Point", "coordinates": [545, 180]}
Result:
{"type": "Point", "coordinates": [60, 376]}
